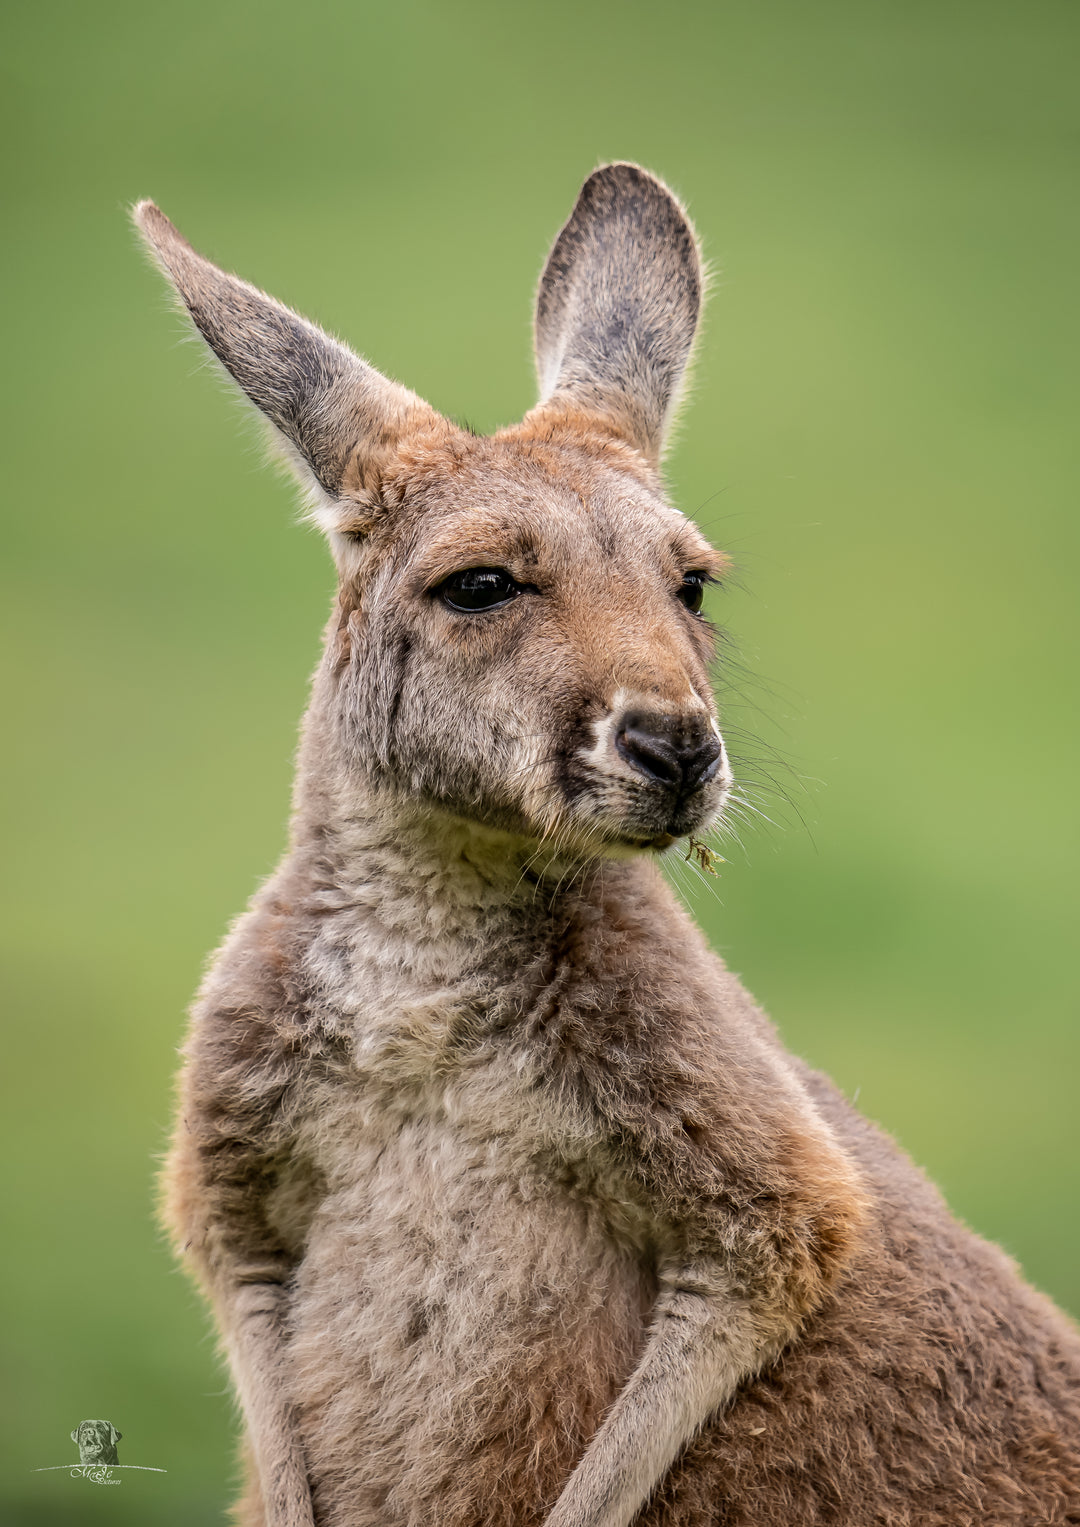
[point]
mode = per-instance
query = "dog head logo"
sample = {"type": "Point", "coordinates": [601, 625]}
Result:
{"type": "Point", "coordinates": [96, 1441]}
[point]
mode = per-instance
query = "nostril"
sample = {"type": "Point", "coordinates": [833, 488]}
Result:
{"type": "Point", "coordinates": [650, 754]}
{"type": "Point", "coordinates": [701, 763]}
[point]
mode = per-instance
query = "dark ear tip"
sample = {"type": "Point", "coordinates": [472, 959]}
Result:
{"type": "Point", "coordinates": [624, 175]}
{"type": "Point", "coordinates": [623, 171]}
{"type": "Point", "coordinates": [144, 214]}
{"type": "Point", "coordinates": [156, 229]}
{"type": "Point", "coordinates": [622, 185]}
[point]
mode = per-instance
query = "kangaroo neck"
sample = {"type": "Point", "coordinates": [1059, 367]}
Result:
{"type": "Point", "coordinates": [432, 893]}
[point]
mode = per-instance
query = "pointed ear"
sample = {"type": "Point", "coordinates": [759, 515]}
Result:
{"type": "Point", "coordinates": [337, 413]}
{"type": "Point", "coordinates": [618, 306]}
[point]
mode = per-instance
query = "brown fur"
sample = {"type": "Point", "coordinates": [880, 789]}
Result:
{"type": "Point", "coordinates": [511, 1206]}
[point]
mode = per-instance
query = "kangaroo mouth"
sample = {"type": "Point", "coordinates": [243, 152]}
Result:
{"type": "Point", "coordinates": [656, 829]}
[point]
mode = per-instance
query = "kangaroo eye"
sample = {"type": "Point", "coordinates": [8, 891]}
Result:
{"type": "Point", "coordinates": [693, 591]}
{"type": "Point", "coordinates": [478, 588]}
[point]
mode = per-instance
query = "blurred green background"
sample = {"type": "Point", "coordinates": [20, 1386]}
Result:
{"type": "Point", "coordinates": [883, 432]}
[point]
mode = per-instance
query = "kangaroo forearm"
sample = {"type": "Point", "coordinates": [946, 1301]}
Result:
{"type": "Point", "coordinates": [720, 1318]}
{"type": "Point", "coordinates": [252, 1318]}
{"type": "Point", "coordinates": [699, 1352]}
{"type": "Point", "coordinates": [229, 1151]}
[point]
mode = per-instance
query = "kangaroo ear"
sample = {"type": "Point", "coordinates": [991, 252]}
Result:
{"type": "Point", "coordinates": [618, 305]}
{"type": "Point", "coordinates": [339, 415]}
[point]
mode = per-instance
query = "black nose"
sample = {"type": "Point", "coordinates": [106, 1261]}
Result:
{"type": "Point", "coordinates": [680, 751]}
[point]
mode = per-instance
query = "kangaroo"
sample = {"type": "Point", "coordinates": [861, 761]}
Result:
{"type": "Point", "coordinates": [509, 1202]}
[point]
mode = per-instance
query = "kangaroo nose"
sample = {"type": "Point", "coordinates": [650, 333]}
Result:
{"type": "Point", "coordinates": [675, 750]}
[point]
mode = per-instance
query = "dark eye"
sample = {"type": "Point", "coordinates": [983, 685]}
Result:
{"type": "Point", "coordinates": [692, 591]}
{"type": "Point", "coordinates": [478, 588]}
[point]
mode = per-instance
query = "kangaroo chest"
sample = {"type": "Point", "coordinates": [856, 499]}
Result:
{"type": "Point", "coordinates": [457, 1314]}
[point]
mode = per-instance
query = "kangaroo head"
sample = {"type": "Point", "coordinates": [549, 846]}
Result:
{"type": "Point", "coordinates": [517, 639]}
